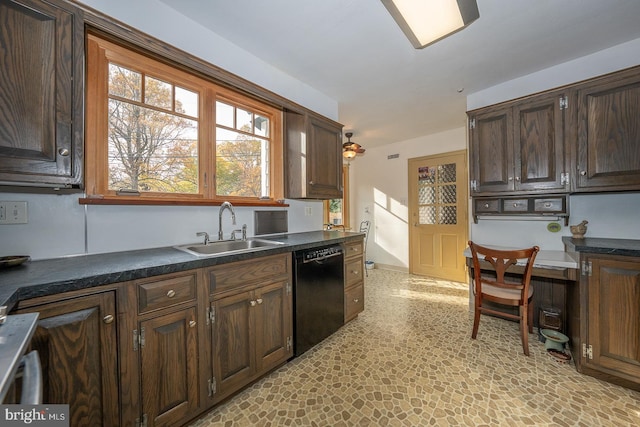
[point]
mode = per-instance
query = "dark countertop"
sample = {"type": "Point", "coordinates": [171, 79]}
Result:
{"type": "Point", "coordinates": [53, 276]}
{"type": "Point", "coordinates": [598, 245]}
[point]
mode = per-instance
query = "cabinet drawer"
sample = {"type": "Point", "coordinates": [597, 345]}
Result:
{"type": "Point", "coordinates": [487, 205]}
{"type": "Point", "coordinates": [156, 294]}
{"type": "Point", "coordinates": [515, 205]}
{"type": "Point", "coordinates": [236, 274]}
{"type": "Point", "coordinates": [353, 302]}
{"type": "Point", "coordinates": [556, 204]}
{"type": "Point", "coordinates": [354, 270]}
{"type": "Point", "coordinates": [353, 249]}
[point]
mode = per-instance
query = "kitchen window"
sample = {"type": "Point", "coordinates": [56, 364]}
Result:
{"type": "Point", "coordinates": [158, 133]}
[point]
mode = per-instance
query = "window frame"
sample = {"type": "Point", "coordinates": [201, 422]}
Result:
{"type": "Point", "coordinates": [101, 52]}
{"type": "Point", "coordinates": [326, 204]}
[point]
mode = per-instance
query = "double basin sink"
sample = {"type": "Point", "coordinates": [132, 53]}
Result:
{"type": "Point", "coordinates": [225, 247]}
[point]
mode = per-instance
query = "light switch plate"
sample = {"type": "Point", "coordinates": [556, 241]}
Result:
{"type": "Point", "coordinates": [13, 213]}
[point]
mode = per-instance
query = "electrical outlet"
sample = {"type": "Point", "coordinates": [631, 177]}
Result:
{"type": "Point", "coordinates": [13, 213]}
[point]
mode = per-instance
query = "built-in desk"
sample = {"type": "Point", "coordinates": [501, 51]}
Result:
{"type": "Point", "coordinates": [552, 272]}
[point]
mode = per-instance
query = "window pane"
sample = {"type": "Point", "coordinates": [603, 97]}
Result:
{"type": "Point", "coordinates": [447, 215]}
{"type": "Point", "coordinates": [158, 93]}
{"type": "Point", "coordinates": [261, 126]}
{"type": "Point", "coordinates": [335, 212]}
{"type": "Point", "coordinates": [124, 83]}
{"type": "Point", "coordinates": [186, 102]}
{"type": "Point", "coordinates": [241, 165]}
{"type": "Point", "coordinates": [427, 214]}
{"type": "Point", "coordinates": [448, 194]}
{"type": "Point", "coordinates": [151, 150]}
{"type": "Point", "coordinates": [224, 114]}
{"type": "Point", "coordinates": [244, 120]}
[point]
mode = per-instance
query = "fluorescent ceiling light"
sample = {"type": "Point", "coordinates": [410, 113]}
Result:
{"type": "Point", "coordinates": [427, 21]}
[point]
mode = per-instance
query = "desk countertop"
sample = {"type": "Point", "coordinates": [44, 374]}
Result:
{"type": "Point", "coordinates": [545, 258]}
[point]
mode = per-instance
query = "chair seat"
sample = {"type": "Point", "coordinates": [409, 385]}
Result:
{"type": "Point", "coordinates": [504, 293]}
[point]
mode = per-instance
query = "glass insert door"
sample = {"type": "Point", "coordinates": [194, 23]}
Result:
{"type": "Point", "coordinates": [438, 228]}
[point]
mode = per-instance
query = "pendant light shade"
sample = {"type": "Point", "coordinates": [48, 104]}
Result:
{"type": "Point", "coordinates": [427, 21]}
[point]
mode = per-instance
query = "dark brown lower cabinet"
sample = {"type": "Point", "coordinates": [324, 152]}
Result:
{"type": "Point", "coordinates": [169, 367]}
{"type": "Point", "coordinates": [605, 314]}
{"type": "Point", "coordinates": [252, 334]}
{"type": "Point", "coordinates": [76, 339]}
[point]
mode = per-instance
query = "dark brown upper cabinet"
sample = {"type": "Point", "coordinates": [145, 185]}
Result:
{"type": "Point", "coordinates": [519, 147]}
{"type": "Point", "coordinates": [41, 93]}
{"type": "Point", "coordinates": [608, 143]}
{"type": "Point", "coordinates": [313, 162]}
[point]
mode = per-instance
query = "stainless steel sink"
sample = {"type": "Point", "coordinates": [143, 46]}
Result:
{"type": "Point", "coordinates": [225, 247]}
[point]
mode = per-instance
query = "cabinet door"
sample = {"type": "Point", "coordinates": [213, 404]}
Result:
{"type": "Point", "coordinates": [169, 367]}
{"type": "Point", "coordinates": [233, 340]}
{"type": "Point", "coordinates": [491, 151]}
{"type": "Point", "coordinates": [274, 325]}
{"type": "Point", "coordinates": [609, 133]}
{"type": "Point", "coordinates": [613, 329]}
{"type": "Point", "coordinates": [325, 162]}
{"type": "Point", "coordinates": [76, 342]}
{"type": "Point", "coordinates": [41, 92]}
{"type": "Point", "coordinates": [539, 147]}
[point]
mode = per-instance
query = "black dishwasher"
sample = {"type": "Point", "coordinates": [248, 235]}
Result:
{"type": "Point", "coordinates": [318, 295]}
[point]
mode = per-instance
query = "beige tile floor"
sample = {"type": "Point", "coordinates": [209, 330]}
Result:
{"type": "Point", "coordinates": [409, 360]}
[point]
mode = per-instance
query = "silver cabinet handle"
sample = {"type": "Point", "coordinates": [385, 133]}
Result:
{"type": "Point", "coordinates": [311, 183]}
{"type": "Point", "coordinates": [356, 300]}
{"type": "Point", "coordinates": [486, 205]}
{"type": "Point", "coordinates": [517, 178]}
{"type": "Point", "coordinates": [583, 173]}
{"type": "Point", "coordinates": [252, 303]}
{"type": "Point", "coordinates": [108, 318]}
{"type": "Point", "coordinates": [171, 293]}
{"type": "Point", "coordinates": [64, 152]}
{"type": "Point", "coordinates": [192, 323]}
{"type": "Point", "coordinates": [259, 300]}
{"type": "Point", "coordinates": [547, 205]}
{"type": "Point", "coordinates": [510, 178]}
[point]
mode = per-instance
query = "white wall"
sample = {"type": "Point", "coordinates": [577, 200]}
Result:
{"type": "Point", "coordinates": [609, 215]}
{"type": "Point", "coordinates": [59, 226]}
{"type": "Point", "coordinates": [380, 186]}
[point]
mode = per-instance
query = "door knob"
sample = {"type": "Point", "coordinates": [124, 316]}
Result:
{"type": "Point", "coordinates": [259, 300]}
{"type": "Point", "coordinates": [252, 303]}
{"type": "Point", "coordinates": [171, 293]}
{"type": "Point", "coordinates": [192, 323]}
{"type": "Point", "coordinates": [108, 318]}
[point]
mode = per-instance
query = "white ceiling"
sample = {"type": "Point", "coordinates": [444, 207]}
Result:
{"type": "Point", "coordinates": [387, 91]}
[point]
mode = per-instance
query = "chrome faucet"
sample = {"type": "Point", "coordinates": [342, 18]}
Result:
{"type": "Point", "coordinates": [223, 207]}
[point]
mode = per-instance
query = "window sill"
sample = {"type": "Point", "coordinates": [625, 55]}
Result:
{"type": "Point", "coordinates": [175, 202]}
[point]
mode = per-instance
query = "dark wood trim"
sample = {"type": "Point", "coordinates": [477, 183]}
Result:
{"type": "Point", "coordinates": [175, 202]}
{"type": "Point", "coordinates": [110, 28]}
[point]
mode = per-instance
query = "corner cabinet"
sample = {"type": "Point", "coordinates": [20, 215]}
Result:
{"type": "Point", "coordinates": [313, 157]}
{"type": "Point", "coordinates": [251, 321]}
{"type": "Point", "coordinates": [608, 133]}
{"type": "Point", "coordinates": [41, 93]}
{"type": "Point", "coordinates": [605, 319]}
{"type": "Point", "coordinates": [76, 340]}
{"type": "Point", "coordinates": [519, 147]}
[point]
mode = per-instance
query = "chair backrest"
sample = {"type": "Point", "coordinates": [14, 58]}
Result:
{"type": "Point", "coordinates": [501, 260]}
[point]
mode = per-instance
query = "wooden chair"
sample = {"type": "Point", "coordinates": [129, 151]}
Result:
{"type": "Point", "coordinates": [513, 292]}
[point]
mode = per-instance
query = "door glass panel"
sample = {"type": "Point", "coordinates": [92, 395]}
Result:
{"type": "Point", "coordinates": [427, 214]}
{"type": "Point", "coordinates": [437, 194]}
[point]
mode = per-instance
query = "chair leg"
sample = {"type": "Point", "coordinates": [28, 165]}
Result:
{"type": "Point", "coordinates": [476, 321]}
{"type": "Point", "coordinates": [524, 327]}
{"type": "Point", "coordinates": [530, 314]}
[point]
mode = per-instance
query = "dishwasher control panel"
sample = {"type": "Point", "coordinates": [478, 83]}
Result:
{"type": "Point", "coordinates": [325, 252]}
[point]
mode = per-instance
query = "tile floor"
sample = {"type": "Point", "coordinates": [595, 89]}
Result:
{"type": "Point", "coordinates": [409, 360]}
